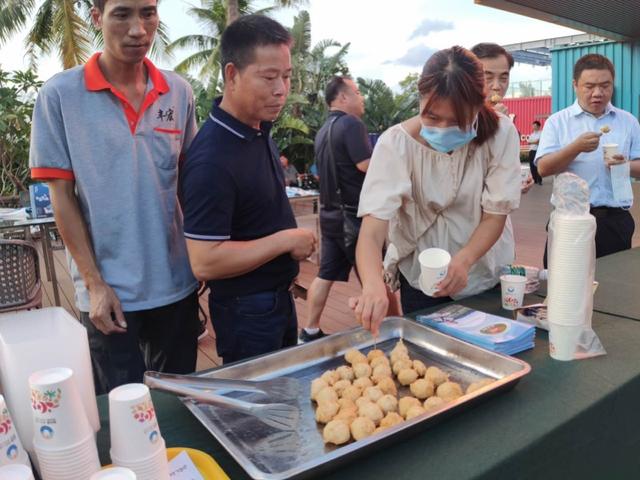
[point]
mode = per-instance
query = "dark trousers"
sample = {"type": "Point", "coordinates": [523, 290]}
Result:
{"type": "Point", "coordinates": [413, 300]}
{"type": "Point", "coordinates": [534, 169]}
{"type": "Point", "coordinates": [615, 227]}
{"type": "Point", "coordinates": [253, 324]}
{"type": "Point", "coordinates": [163, 339]}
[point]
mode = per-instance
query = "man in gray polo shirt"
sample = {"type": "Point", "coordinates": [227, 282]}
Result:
{"type": "Point", "coordinates": [108, 137]}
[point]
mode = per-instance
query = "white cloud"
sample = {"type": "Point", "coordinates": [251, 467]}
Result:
{"type": "Point", "coordinates": [431, 26]}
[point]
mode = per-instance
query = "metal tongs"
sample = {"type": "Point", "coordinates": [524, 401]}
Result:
{"type": "Point", "coordinates": [201, 389]}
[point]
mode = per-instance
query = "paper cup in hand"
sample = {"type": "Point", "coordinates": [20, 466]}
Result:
{"type": "Point", "coordinates": [512, 291]}
{"type": "Point", "coordinates": [58, 413]}
{"type": "Point", "coordinates": [434, 263]}
{"type": "Point", "coordinates": [11, 449]}
{"type": "Point", "coordinates": [135, 434]}
{"type": "Point", "coordinates": [115, 473]}
{"type": "Point", "coordinates": [609, 151]}
{"type": "Point", "coordinates": [525, 171]}
{"type": "Point", "coordinates": [16, 472]}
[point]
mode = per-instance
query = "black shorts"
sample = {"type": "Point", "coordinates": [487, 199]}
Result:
{"type": "Point", "coordinates": [334, 259]}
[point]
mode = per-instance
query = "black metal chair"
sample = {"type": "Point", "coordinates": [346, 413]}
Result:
{"type": "Point", "coordinates": [20, 286]}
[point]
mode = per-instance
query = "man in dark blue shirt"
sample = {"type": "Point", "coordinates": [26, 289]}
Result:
{"type": "Point", "coordinates": [240, 231]}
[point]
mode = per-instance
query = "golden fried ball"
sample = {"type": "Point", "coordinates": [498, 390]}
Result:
{"type": "Point", "coordinates": [449, 391]}
{"type": "Point", "coordinates": [422, 388]}
{"type": "Point", "coordinates": [432, 403]}
{"type": "Point", "coordinates": [327, 394]}
{"type": "Point", "coordinates": [363, 382]}
{"type": "Point", "coordinates": [374, 354]}
{"type": "Point", "coordinates": [391, 419]}
{"type": "Point", "coordinates": [406, 403]}
{"type": "Point", "coordinates": [419, 367]}
{"type": "Point", "coordinates": [401, 365]}
{"type": "Point", "coordinates": [436, 375]}
{"type": "Point", "coordinates": [400, 347]}
{"type": "Point", "coordinates": [415, 411]}
{"type": "Point", "coordinates": [371, 411]}
{"type": "Point", "coordinates": [354, 356]}
{"type": "Point", "coordinates": [347, 415]}
{"type": "Point", "coordinates": [396, 356]}
{"type": "Point", "coordinates": [387, 385]}
{"type": "Point", "coordinates": [373, 393]}
{"type": "Point", "coordinates": [479, 384]}
{"type": "Point", "coordinates": [388, 403]}
{"type": "Point", "coordinates": [340, 386]}
{"type": "Point", "coordinates": [380, 372]}
{"type": "Point", "coordinates": [330, 376]}
{"type": "Point", "coordinates": [316, 385]}
{"type": "Point", "coordinates": [352, 393]}
{"type": "Point", "coordinates": [336, 432]}
{"type": "Point", "coordinates": [407, 376]}
{"type": "Point", "coordinates": [362, 370]}
{"type": "Point", "coordinates": [346, 403]}
{"type": "Point", "coordinates": [326, 411]}
{"type": "Point", "coordinates": [379, 361]}
{"type": "Point", "coordinates": [346, 373]}
{"type": "Point", "coordinates": [362, 400]}
{"type": "Point", "coordinates": [362, 427]}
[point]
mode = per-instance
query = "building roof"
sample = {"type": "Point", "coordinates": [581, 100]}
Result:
{"type": "Point", "coordinates": [613, 19]}
{"type": "Point", "coordinates": [538, 52]}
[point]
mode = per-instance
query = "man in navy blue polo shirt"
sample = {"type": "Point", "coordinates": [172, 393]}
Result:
{"type": "Point", "coordinates": [240, 230]}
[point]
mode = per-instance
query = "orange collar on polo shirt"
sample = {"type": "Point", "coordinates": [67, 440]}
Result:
{"type": "Point", "coordinates": [95, 81]}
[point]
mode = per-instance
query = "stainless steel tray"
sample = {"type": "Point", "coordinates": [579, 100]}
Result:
{"type": "Point", "coordinates": [266, 453]}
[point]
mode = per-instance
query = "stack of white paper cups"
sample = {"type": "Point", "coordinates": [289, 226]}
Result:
{"type": "Point", "coordinates": [136, 442]}
{"type": "Point", "coordinates": [64, 440]}
{"type": "Point", "coordinates": [114, 473]}
{"type": "Point", "coordinates": [11, 449]}
{"type": "Point", "coordinates": [434, 264]}
{"type": "Point", "coordinates": [16, 472]}
{"type": "Point", "coordinates": [571, 259]}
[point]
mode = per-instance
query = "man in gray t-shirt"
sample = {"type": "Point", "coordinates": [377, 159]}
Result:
{"type": "Point", "coordinates": [108, 137]}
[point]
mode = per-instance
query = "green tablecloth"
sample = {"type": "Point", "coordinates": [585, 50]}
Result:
{"type": "Point", "coordinates": [564, 420]}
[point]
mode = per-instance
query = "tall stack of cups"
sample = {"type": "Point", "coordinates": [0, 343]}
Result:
{"type": "Point", "coordinates": [11, 449]}
{"type": "Point", "coordinates": [16, 472]}
{"type": "Point", "coordinates": [570, 298]}
{"type": "Point", "coordinates": [63, 438]}
{"type": "Point", "coordinates": [136, 442]}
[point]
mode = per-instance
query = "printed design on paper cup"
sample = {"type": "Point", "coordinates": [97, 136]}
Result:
{"type": "Point", "coordinates": [12, 452]}
{"type": "Point", "coordinates": [511, 301]}
{"type": "Point", "coordinates": [5, 422]}
{"type": "Point", "coordinates": [511, 290]}
{"type": "Point", "coordinates": [46, 432]}
{"type": "Point", "coordinates": [144, 411]}
{"type": "Point", "coordinates": [441, 275]}
{"type": "Point", "coordinates": [494, 329]}
{"type": "Point", "coordinates": [47, 401]}
{"type": "Point", "coordinates": [154, 436]}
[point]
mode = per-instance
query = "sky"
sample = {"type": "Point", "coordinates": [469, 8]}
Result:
{"type": "Point", "coordinates": [389, 39]}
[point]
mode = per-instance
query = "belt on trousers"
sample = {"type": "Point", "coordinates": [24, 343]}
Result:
{"type": "Point", "coordinates": [601, 212]}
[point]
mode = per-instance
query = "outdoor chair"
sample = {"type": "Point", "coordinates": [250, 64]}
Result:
{"type": "Point", "coordinates": [20, 286]}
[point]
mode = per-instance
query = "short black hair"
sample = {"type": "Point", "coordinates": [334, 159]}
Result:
{"type": "Point", "coordinates": [592, 61]}
{"type": "Point", "coordinates": [334, 87]}
{"type": "Point", "coordinates": [243, 36]}
{"type": "Point", "coordinates": [536, 122]}
{"type": "Point", "coordinates": [491, 50]}
{"type": "Point", "coordinates": [99, 4]}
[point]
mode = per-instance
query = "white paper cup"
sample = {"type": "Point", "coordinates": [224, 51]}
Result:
{"type": "Point", "coordinates": [58, 413]}
{"type": "Point", "coordinates": [11, 449]}
{"type": "Point", "coordinates": [15, 472]}
{"type": "Point", "coordinates": [512, 291]}
{"type": "Point", "coordinates": [563, 341]}
{"type": "Point", "coordinates": [155, 467]}
{"type": "Point", "coordinates": [525, 171]}
{"type": "Point", "coordinates": [114, 473]}
{"type": "Point", "coordinates": [609, 150]}
{"type": "Point", "coordinates": [135, 433]}
{"type": "Point", "coordinates": [434, 263]}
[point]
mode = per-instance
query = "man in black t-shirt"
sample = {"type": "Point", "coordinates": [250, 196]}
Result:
{"type": "Point", "coordinates": [342, 151]}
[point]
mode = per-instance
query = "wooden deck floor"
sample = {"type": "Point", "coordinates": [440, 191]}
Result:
{"type": "Point", "coordinates": [529, 225]}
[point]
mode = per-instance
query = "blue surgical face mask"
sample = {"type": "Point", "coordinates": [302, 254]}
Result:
{"type": "Point", "coordinates": [449, 138]}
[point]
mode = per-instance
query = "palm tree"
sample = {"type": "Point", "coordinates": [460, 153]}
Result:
{"type": "Point", "coordinates": [13, 17]}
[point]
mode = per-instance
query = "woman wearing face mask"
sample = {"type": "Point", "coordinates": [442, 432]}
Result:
{"type": "Point", "coordinates": [445, 178]}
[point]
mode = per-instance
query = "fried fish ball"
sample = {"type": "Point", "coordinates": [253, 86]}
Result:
{"type": "Point", "coordinates": [380, 372]}
{"type": "Point", "coordinates": [362, 400]}
{"type": "Point", "coordinates": [354, 356]}
{"type": "Point", "coordinates": [346, 403]}
{"type": "Point", "coordinates": [391, 419]}
{"type": "Point", "coordinates": [419, 367]}
{"type": "Point", "coordinates": [422, 388]}
{"type": "Point", "coordinates": [415, 411]}
{"type": "Point", "coordinates": [340, 386]}
{"type": "Point", "coordinates": [362, 427]}
{"type": "Point", "coordinates": [336, 432]}
{"type": "Point", "coordinates": [495, 98]}
{"type": "Point", "coordinates": [371, 411]}
{"type": "Point", "coordinates": [398, 355]}
{"type": "Point", "coordinates": [432, 403]}
{"type": "Point", "coordinates": [407, 376]}
{"type": "Point", "coordinates": [330, 376]}
{"type": "Point", "coordinates": [346, 373]}
{"type": "Point", "coordinates": [380, 361]}
{"type": "Point", "coordinates": [436, 375]}
{"type": "Point", "coordinates": [347, 414]}
{"type": "Point", "coordinates": [373, 393]}
{"type": "Point", "coordinates": [605, 129]}
{"type": "Point", "coordinates": [479, 384]}
{"type": "Point", "coordinates": [405, 403]}
{"type": "Point", "coordinates": [326, 411]}
{"type": "Point", "coordinates": [449, 391]}
{"type": "Point", "coordinates": [316, 385]}
{"type": "Point", "coordinates": [401, 365]}
{"type": "Point", "coordinates": [375, 353]}
{"type": "Point", "coordinates": [352, 393]}
{"type": "Point", "coordinates": [388, 403]}
{"type": "Point", "coordinates": [400, 347]}
{"type": "Point", "coordinates": [362, 382]}
{"type": "Point", "coordinates": [327, 394]}
{"type": "Point", "coordinates": [387, 385]}
{"type": "Point", "coordinates": [362, 370]}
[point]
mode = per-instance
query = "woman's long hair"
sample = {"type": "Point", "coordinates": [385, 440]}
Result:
{"type": "Point", "coordinates": [457, 75]}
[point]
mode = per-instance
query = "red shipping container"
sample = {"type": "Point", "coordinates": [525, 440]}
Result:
{"type": "Point", "coordinates": [526, 110]}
